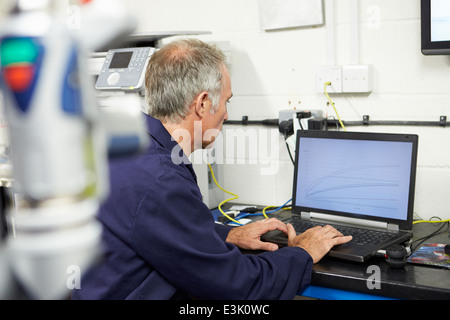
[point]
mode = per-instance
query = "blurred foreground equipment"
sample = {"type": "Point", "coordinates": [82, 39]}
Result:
{"type": "Point", "coordinates": [59, 143]}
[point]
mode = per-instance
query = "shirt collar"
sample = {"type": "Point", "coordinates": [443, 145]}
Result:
{"type": "Point", "coordinates": [156, 129]}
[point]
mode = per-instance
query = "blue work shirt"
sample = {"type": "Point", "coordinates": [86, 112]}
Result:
{"type": "Point", "coordinates": [161, 241]}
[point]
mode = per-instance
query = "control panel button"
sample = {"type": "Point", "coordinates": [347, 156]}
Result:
{"type": "Point", "coordinates": [113, 79]}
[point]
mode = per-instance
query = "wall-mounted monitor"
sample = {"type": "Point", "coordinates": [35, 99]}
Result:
{"type": "Point", "coordinates": [435, 18]}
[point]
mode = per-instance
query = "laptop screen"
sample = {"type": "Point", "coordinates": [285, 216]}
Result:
{"type": "Point", "coordinates": [362, 175]}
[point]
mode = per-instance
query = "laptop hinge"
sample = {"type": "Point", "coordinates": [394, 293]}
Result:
{"type": "Point", "coordinates": [305, 215]}
{"type": "Point", "coordinates": [393, 227]}
{"type": "Point", "coordinates": [354, 221]}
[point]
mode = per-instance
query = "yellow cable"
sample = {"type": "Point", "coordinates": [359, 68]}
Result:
{"type": "Point", "coordinates": [429, 221]}
{"type": "Point", "coordinates": [264, 210]}
{"type": "Point", "coordinates": [326, 84]}
{"type": "Point", "coordinates": [235, 196]}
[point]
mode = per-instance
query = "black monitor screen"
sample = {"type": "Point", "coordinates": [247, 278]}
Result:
{"type": "Point", "coordinates": [435, 17]}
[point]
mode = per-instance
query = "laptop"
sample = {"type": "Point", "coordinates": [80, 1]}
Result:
{"type": "Point", "coordinates": [362, 181]}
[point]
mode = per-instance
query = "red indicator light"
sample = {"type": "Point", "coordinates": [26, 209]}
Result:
{"type": "Point", "coordinates": [19, 77]}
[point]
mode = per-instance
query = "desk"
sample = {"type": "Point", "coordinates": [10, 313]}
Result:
{"type": "Point", "coordinates": [411, 282]}
{"type": "Point", "coordinates": [336, 279]}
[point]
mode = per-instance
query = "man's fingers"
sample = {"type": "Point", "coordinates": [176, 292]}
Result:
{"type": "Point", "coordinates": [275, 224]}
{"type": "Point", "coordinates": [291, 232]}
{"type": "Point", "coordinates": [334, 235]}
{"type": "Point", "coordinates": [341, 240]}
{"type": "Point", "coordinates": [327, 231]}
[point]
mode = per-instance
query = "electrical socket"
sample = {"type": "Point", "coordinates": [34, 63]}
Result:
{"type": "Point", "coordinates": [331, 74]}
{"type": "Point", "coordinates": [357, 78]}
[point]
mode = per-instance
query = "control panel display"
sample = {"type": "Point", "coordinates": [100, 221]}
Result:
{"type": "Point", "coordinates": [121, 60]}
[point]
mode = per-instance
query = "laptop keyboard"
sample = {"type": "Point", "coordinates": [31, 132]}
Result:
{"type": "Point", "coordinates": [360, 236]}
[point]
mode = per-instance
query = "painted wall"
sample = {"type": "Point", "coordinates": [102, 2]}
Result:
{"type": "Point", "coordinates": [276, 70]}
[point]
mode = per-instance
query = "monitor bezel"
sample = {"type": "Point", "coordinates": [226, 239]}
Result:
{"type": "Point", "coordinates": [430, 47]}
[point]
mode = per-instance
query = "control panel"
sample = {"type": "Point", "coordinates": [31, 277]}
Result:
{"type": "Point", "coordinates": [124, 69]}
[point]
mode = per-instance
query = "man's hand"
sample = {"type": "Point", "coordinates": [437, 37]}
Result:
{"type": "Point", "coordinates": [249, 236]}
{"type": "Point", "coordinates": [316, 241]}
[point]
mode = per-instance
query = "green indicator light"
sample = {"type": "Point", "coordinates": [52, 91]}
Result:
{"type": "Point", "coordinates": [17, 50]}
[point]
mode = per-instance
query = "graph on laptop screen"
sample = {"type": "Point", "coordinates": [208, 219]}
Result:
{"type": "Point", "coordinates": [366, 177]}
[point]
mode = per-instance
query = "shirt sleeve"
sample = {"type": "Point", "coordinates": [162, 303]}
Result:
{"type": "Point", "coordinates": [222, 231]}
{"type": "Point", "coordinates": [178, 237]}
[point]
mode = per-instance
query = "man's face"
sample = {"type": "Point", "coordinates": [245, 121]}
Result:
{"type": "Point", "coordinates": [213, 121]}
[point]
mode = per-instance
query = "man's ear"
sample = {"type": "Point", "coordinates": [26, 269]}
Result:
{"type": "Point", "coordinates": [201, 104]}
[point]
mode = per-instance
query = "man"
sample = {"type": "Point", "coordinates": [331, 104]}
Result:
{"type": "Point", "coordinates": [161, 241]}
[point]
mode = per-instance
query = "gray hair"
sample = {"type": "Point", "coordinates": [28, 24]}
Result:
{"type": "Point", "coordinates": [178, 73]}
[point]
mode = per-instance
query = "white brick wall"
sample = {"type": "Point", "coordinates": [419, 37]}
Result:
{"type": "Point", "coordinates": [275, 70]}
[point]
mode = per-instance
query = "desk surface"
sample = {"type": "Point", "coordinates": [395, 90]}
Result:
{"type": "Point", "coordinates": [411, 282]}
